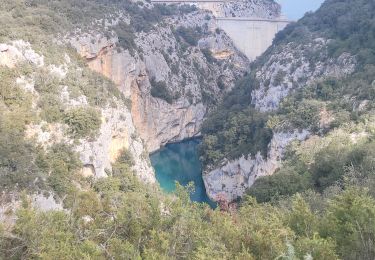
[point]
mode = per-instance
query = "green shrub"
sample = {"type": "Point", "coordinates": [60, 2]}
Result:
{"type": "Point", "coordinates": [18, 169]}
{"type": "Point", "coordinates": [233, 135]}
{"type": "Point", "coordinates": [83, 122]}
{"type": "Point", "coordinates": [160, 90]}
{"type": "Point", "coordinates": [208, 55]}
{"type": "Point", "coordinates": [61, 163]}
{"type": "Point", "coordinates": [126, 158]}
{"type": "Point", "coordinates": [189, 35]}
{"type": "Point", "coordinates": [279, 78]}
{"type": "Point", "coordinates": [126, 37]}
{"type": "Point", "coordinates": [52, 109]}
{"type": "Point", "coordinates": [283, 183]}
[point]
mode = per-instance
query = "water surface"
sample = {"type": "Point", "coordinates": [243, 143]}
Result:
{"type": "Point", "coordinates": [180, 162]}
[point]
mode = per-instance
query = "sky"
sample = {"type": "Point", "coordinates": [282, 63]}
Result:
{"type": "Point", "coordinates": [295, 9]}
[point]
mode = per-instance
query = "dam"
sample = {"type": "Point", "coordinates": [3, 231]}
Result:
{"type": "Point", "coordinates": [251, 35]}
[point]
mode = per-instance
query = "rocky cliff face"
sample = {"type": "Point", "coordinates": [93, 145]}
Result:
{"type": "Point", "coordinates": [294, 66]}
{"type": "Point", "coordinates": [232, 178]}
{"type": "Point", "coordinates": [249, 8]}
{"type": "Point", "coordinates": [196, 75]}
{"type": "Point", "coordinates": [117, 131]}
{"type": "Point", "coordinates": [282, 70]}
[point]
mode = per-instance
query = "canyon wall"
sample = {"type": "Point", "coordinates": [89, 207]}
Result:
{"type": "Point", "coordinates": [117, 131]}
{"type": "Point", "coordinates": [196, 76]}
{"type": "Point", "coordinates": [284, 70]}
{"type": "Point", "coordinates": [230, 181]}
{"type": "Point", "coordinates": [252, 25]}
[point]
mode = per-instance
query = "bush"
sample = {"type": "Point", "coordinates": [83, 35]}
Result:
{"type": "Point", "coordinates": [60, 163]}
{"type": "Point", "coordinates": [208, 55]}
{"type": "Point", "coordinates": [233, 135]}
{"type": "Point", "coordinates": [190, 35]}
{"type": "Point", "coordinates": [83, 122]}
{"type": "Point", "coordinates": [52, 108]}
{"type": "Point", "coordinates": [283, 183]}
{"type": "Point", "coordinates": [126, 158]}
{"type": "Point", "coordinates": [160, 90]}
{"type": "Point", "coordinates": [126, 37]}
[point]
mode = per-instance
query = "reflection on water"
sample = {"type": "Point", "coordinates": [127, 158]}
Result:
{"type": "Point", "coordinates": [180, 162]}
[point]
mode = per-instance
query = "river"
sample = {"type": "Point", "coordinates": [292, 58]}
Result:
{"type": "Point", "coordinates": [180, 162]}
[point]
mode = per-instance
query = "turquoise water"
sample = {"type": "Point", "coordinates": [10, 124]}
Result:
{"type": "Point", "coordinates": [295, 9]}
{"type": "Point", "coordinates": [180, 162]}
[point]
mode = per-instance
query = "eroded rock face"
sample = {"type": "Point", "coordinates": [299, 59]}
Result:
{"type": "Point", "coordinates": [230, 181]}
{"type": "Point", "coordinates": [291, 67]}
{"type": "Point", "coordinates": [117, 131]}
{"type": "Point", "coordinates": [192, 79]}
{"type": "Point", "coordinates": [286, 68]}
{"type": "Point", "coordinates": [248, 8]}
{"type": "Point", "coordinates": [19, 51]}
{"type": "Point", "coordinates": [11, 202]}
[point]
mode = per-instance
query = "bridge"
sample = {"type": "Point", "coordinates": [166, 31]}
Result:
{"type": "Point", "coordinates": [251, 35]}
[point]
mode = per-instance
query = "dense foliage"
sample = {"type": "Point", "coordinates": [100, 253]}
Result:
{"type": "Point", "coordinates": [320, 205]}
{"type": "Point", "coordinates": [318, 107]}
{"type": "Point", "coordinates": [189, 35]}
{"type": "Point", "coordinates": [235, 128]}
{"type": "Point", "coordinates": [350, 25]}
{"type": "Point", "coordinates": [159, 89]}
{"type": "Point", "coordinates": [120, 218]}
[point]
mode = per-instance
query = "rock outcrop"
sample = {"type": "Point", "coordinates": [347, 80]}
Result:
{"type": "Point", "coordinates": [196, 75]}
{"type": "Point", "coordinates": [19, 51]}
{"type": "Point", "coordinates": [230, 181]}
{"type": "Point", "coordinates": [282, 70]}
{"type": "Point", "coordinates": [294, 66]}
{"type": "Point", "coordinates": [117, 131]}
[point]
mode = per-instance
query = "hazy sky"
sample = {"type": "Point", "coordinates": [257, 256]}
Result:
{"type": "Point", "coordinates": [295, 9]}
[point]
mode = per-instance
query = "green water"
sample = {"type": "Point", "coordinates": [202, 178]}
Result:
{"type": "Point", "coordinates": [180, 162]}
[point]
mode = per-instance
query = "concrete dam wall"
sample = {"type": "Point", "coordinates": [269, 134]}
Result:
{"type": "Point", "coordinates": [250, 25]}
{"type": "Point", "coordinates": [251, 36]}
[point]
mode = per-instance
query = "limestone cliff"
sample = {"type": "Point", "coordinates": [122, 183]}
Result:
{"type": "Point", "coordinates": [293, 66]}
{"type": "Point", "coordinates": [195, 75]}
{"type": "Point", "coordinates": [230, 181]}
{"type": "Point", "coordinates": [249, 8]}
{"type": "Point", "coordinates": [116, 133]}
{"type": "Point", "coordinates": [282, 70]}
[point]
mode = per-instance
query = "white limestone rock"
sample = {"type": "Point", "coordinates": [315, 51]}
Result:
{"type": "Point", "coordinates": [117, 133]}
{"type": "Point", "coordinates": [187, 74]}
{"type": "Point", "coordinates": [230, 181]}
{"type": "Point", "coordinates": [290, 68]}
{"type": "Point", "coordinates": [19, 51]}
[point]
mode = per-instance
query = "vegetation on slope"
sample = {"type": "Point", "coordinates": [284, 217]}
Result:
{"type": "Point", "coordinates": [235, 128]}
{"type": "Point", "coordinates": [332, 217]}
{"type": "Point", "coordinates": [349, 26]}
{"type": "Point", "coordinates": [24, 164]}
{"type": "Point", "coordinates": [36, 21]}
{"type": "Point", "coordinates": [120, 218]}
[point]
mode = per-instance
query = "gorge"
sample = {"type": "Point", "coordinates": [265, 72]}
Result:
{"type": "Point", "coordinates": [104, 104]}
{"type": "Point", "coordinates": [192, 83]}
